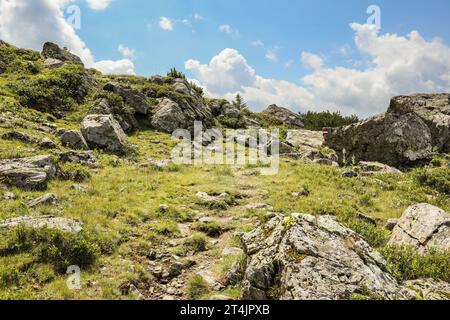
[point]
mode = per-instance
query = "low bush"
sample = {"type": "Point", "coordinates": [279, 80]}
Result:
{"type": "Point", "coordinates": [437, 179]}
{"type": "Point", "coordinates": [197, 287]}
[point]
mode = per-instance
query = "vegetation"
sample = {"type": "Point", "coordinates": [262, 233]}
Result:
{"type": "Point", "coordinates": [316, 121]}
{"type": "Point", "coordinates": [197, 287]}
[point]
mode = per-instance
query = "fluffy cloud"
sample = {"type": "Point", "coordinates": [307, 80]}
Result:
{"type": "Point", "coordinates": [43, 20]}
{"type": "Point", "coordinates": [271, 55]}
{"type": "Point", "coordinates": [126, 52]}
{"type": "Point", "coordinates": [398, 65]}
{"type": "Point", "coordinates": [98, 4]}
{"type": "Point", "coordinates": [165, 24]}
{"type": "Point", "coordinates": [123, 66]}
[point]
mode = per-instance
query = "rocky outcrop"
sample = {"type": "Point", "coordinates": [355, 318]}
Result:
{"type": "Point", "coordinates": [434, 110]}
{"type": "Point", "coordinates": [53, 51]}
{"type": "Point", "coordinates": [49, 222]}
{"type": "Point", "coordinates": [423, 226]}
{"type": "Point", "coordinates": [74, 140]}
{"type": "Point", "coordinates": [180, 112]}
{"type": "Point", "coordinates": [405, 136]}
{"type": "Point", "coordinates": [374, 168]}
{"type": "Point", "coordinates": [123, 115]}
{"type": "Point", "coordinates": [305, 140]}
{"type": "Point", "coordinates": [53, 63]}
{"type": "Point", "coordinates": [132, 98]}
{"type": "Point", "coordinates": [429, 289]}
{"type": "Point", "coordinates": [285, 116]}
{"type": "Point", "coordinates": [396, 140]}
{"type": "Point", "coordinates": [28, 173]}
{"type": "Point", "coordinates": [104, 132]}
{"type": "Point", "coordinates": [303, 257]}
{"type": "Point", "coordinates": [86, 158]}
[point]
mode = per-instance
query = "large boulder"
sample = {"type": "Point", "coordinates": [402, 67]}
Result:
{"type": "Point", "coordinates": [104, 132]}
{"type": "Point", "coordinates": [406, 135]}
{"type": "Point", "coordinates": [28, 173]}
{"type": "Point", "coordinates": [433, 109]}
{"type": "Point", "coordinates": [423, 226]}
{"type": "Point", "coordinates": [285, 116]}
{"type": "Point", "coordinates": [168, 116]}
{"type": "Point", "coordinates": [400, 141]}
{"type": "Point", "coordinates": [53, 51]}
{"type": "Point", "coordinates": [303, 257]}
{"type": "Point", "coordinates": [305, 139]}
{"type": "Point", "coordinates": [124, 116]}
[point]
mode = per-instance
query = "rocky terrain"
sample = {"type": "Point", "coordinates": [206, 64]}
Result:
{"type": "Point", "coordinates": [87, 180]}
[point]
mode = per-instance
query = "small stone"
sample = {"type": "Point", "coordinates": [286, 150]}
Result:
{"type": "Point", "coordinates": [163, 208]}
{"type": "Point", "coordinates": [9, 196]}
{"type": "Point", "coordinates": [47, 143]}
{"type": "Point", "coordinates": [391, 224]}
{"type": "Point", "coordinates": [47, 199]}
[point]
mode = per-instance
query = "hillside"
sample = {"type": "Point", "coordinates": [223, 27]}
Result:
{"type": "Point", "coordinates": [87, 180]}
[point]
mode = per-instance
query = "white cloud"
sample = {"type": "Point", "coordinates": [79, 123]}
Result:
{"type": "Point", "coordinates": [98, 4]}
{"type": "Point", "coordinates": [42, 21]}
{"type": "Point", "coordinates": [311, 60]}
{"type": "Point", "coordinates": [399, 65]}
{"type": "Point", "coordinates": [271, 55]}
{"type": "Point", "coordinates": [126, 52]}
{"type": "Point", "coordinates": [198, 17]}
{"type": "Point", "coordinates": [225, 28]}
{"type": "Point", "coordinates": [124, 66]}
{"type": "Point", "coordinates": [165, 24]}
{"type": "Point", "coordinates": [257, 43]}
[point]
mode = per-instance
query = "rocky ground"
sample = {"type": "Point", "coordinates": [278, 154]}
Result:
{"type": "Point", "coordinates": [86, 179]}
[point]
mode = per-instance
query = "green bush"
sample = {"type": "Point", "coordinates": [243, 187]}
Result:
{"type": "Point", "coordinates": [75, 172]}
{"type": "Point", "coordinates": [18, 61]}
{"type": "Point", "coordinates": [316, 121]}
{"type": "Point", "coordinates": [52, 246]}
{"type": "Point", "coordinates": [211, 229]}
{"type": "Point", "coordinates": [405, 263]}
{"type": "Point", "coordinates": [437, 179]}
{"type": "Point", "coordinates": [197, 287]}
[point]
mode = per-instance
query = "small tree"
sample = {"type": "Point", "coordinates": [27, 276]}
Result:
{"type": "Point", "coordinates": [240, 103]}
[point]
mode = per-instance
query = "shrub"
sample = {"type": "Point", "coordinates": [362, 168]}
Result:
{"type": "Point", "coordinates": [405, 263]}
{"type": "Point", "coordinates": [437, 179]}
{"type": "Point", "coordinates": [196, 243]}
{"type": "Point", "coordinates": [211, 229]}
{"type": "Point", "coordinates": [75, 172]}
{"type": "Point", "coordinates": [197, 287]}
{"type": "Point", "coordinates": [52, 246]}
{"type": "Point", "coordinates": [316, 121]}
{"type": "Point", "coordinates": [165, 228]}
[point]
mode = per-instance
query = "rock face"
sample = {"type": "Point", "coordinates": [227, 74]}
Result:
{"type": "Point", "coordinates": [104, 132]}
{"type": "Point", "coordinates": [132, 98]}
{"type": "Point", "coordinates": [53, 51]}
{"type": "Point", "coordinates": [286, 116]}
{"type": "Point", "coordinates": [171, 114]}
{"type": "Point", "coordinates": [313, 258]}
{"type": "Point", "coordinates": [305, 139]}
{"type": "Point", "coordinates": [423, 226]}
{"type": "Point", "coordinates": [434, 110]}
{"type": "Point", "coordinates": [62, 224]}
{"type": "Point", "coordinates": [28, 173]}
{"type": "Point", "coordinates": [396, 140]}
{"type": "Point", "coordinates": [74, 140]}
{"type": "Point", "coordinates": [404, 136]}
{"type": "Point", "coordinates": [53, 63]}
{"type": "Point", "coordinates": [124, 116]}
{"type": "Point", "coordinates": [429, 289]}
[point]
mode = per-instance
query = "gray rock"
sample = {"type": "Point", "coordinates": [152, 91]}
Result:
{"type": "Point", "coordinates": [45, 200]}
{"type": "Point", "coordinates": [28, 173]}
{"type": "Point", "coordinates": [20, 136]}
{"type": "Point", "coordinates": [313, 258]}
{"type": "Point", "coordinates": [53, 51]}
{"type": "Point", "coordinates": [53, 63]}
{"type": "Point", "coordinates": [86, 158]}
{"type": "Point", "coordinates": [9, 196]}
{"type": "Point", "coordinates": [49, 222]}
{"type": "Point", "coordinates": [396, 140]}
{"type": "Point", "coordinates": [391, 224]}
{"type": "Point", "coordinates": [74, 140]}
{"type": "Point", "coordinates": [168, 116]}
{"type": "Point", "coordinates": [104, 132]}
{"type": "Point", "coordinates": [304, 139]}
{"type": "Point", "coordinates": [429, 289]}
{"type": "Point", "coordinates": [156, 164]}
{"type": "Point", "coordinates": [132, 98]}
{"type": "Point", "coordinates": [373, 168]}
{"type": "Point", "coordinates": [285, 116]}
{"type": "Point", "coordinates": [48, 143]}
{"type": "Point", "coordinates": [3, 67]}
{"type": "Point", "coordinates": [423, 226]}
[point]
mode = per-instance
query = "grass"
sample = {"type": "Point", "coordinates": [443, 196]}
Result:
{"type": "Point", "coordinates": [197, 287]}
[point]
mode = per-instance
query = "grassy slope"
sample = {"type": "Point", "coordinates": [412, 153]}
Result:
{"type": "Point", "coordinates": [120, 207]}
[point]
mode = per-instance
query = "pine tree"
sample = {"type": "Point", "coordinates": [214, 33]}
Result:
{"type": "Point", "coordinates": [240, 103]}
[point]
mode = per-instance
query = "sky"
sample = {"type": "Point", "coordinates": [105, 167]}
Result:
{"type": "Point", "coordinates": [304, 55]}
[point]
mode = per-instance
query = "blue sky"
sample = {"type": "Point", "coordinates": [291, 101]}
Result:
{"type": "Point", "coordinates": [303, 55]}
{"type": "Point", "coordinates": [286, 26]}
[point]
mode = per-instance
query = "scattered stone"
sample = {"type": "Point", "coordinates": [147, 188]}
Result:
{"type": "Point", "coordinates": [47, 143]}
{"type": "Point", "coordinates": [45, 200]}
{"type": "Point", "coordinates": [156, 164]}
{"type": "Point", "coordinates": [104, 132]}
{"type": "Point", "coordinates": [373, 168]}
{"type": "Point", "coordinates": [135, 292]}
{"type": "Point", "coordinates": [210, 198]}
{"type": "Point", "coordinates": [391, 224]}
{"type": "Point", "coordinates": [365, 218]}
{"type": "Point", "coordinates": [49, 222]}
{"type": "Point", "coordinates": [53, 63]}
{"type": "Point", "coordinates": [220, 297]}
{"type": "Point", "coordinates": [313, 258]}
{"type": "Point", "coordinates": [9, 196]}
{"type": "Point", "coordinates": [258, 206]}
{"type": "Point", "coordinates": [15, 135]}
{"type": "Point", "coordinates": [423, 226]}
{"type": "Point", "coordinates": [286, 116]}
{"type": "Point", "coordinates": [28, 173]}
{"type": "Point", "coordinates": [74, 140]}
{"type": "Point", "coordinates": [163, 208]}
{"type": "Point", "coordinates": [86, 158]}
